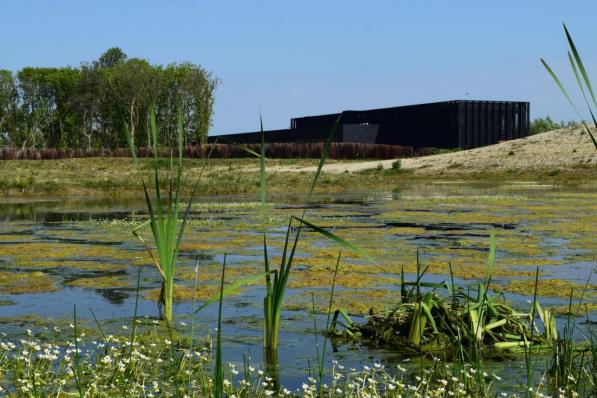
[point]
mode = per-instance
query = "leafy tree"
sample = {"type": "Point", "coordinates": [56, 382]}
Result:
{"type": "Point", "coordinates": [89, 105]}
{"type": "Point", "coordinates": [8, 98]}
{"type": "Point", "coordinates": [86, 102]}
{"type": "Point", "coordinates": [133, 88]}
{"type": "Point", "coordinates": [109, 59]}
{"type": "Point", "coordinates": [192, 89]}
{"type": "Point", "coordinates": [37, 105]}
{"type": "Point", "coordinates": [64, 83]}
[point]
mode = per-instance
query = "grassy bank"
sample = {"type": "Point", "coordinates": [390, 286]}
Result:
{"type": "Point", "coordinates": [115, 176]}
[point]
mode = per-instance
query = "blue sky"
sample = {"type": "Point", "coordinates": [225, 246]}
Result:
{"type": "Point", "coordinates": [309, 57]}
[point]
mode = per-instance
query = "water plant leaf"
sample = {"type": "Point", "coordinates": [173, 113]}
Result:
{"type": "Point", "coordinates": [580, 64]}
{"type": "Point", "coordinates": [262, 180]}
{"type": "Point", "coordinates": [491, 256]}
{"type": "Point", "coordinates": [218, 370]}
{"type": "Point", "coordinates": [130, 144]}
{"type": "Point", "coordinates": [559, 84]}
{"type": "Point", "coordinates": [495, 324]}
{"type": "Point", "coordinates": [575, 60]}
{"type": "Point", "coordinates": [324, 156]}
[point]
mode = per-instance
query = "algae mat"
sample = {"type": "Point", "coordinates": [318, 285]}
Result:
{"type": "Point", "coordinates": [54, 253]}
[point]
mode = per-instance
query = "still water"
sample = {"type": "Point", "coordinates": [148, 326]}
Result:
{"type": "Point", "coordinates": [56, 253]}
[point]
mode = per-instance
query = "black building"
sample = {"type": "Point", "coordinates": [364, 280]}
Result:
{"type": "Point", "coordinates": [450, 124]}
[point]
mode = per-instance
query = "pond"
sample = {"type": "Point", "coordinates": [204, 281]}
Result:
{"type": "Point", "coordinates": [56, 253]}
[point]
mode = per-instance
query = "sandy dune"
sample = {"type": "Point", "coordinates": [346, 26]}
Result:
{"type": "Point", "coordinates": [553, 150]}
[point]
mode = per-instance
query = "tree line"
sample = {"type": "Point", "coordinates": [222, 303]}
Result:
{"type": "Point", "coordinates": [89, 106]}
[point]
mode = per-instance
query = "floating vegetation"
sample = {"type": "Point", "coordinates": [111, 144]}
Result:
{"type": "Point", "coordinates": [185, 293]}
{"type": "Point", "coordinates": [99, 282]}
{"type": "Point", "coordinates": [32, 282]}
{"type": "Point", "coordinates": [552, 288]}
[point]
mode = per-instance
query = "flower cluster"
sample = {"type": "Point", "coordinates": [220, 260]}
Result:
{"type": "Point", "coordinates": [152, 366]}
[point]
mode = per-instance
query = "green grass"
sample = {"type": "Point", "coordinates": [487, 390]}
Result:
{"type": "Point", "coordinates": [108, 177]}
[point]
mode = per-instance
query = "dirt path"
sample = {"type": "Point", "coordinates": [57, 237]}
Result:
{"type": "Point", "coordinates": [553, 150]}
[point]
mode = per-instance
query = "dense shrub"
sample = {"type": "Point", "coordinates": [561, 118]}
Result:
{"type": "Point", "coordinates": [541, 125]}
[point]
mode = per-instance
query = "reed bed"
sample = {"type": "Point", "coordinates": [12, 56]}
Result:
{"type": "Point", "coordinates": [338, 150]}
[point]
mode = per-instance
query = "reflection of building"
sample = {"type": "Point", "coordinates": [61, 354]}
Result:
{"type": "Point", "coordinates": [450, 124]}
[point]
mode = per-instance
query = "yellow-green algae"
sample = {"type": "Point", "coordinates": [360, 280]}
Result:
{"type": "Point", "coordinates": [100, 282]}
{"type": "Point", "coordinates": [354, 301]}
{"type": "Point", "coordinates": [31, 282]}
{"type": "Point", "coordinates": [551, 228]}
{"type": "Point", "coordinates": [186, 293]}
{"type": "Point", "coordinates": [551, 288]}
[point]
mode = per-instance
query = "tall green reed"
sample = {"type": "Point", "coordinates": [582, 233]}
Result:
{"type": "Point", "coordinates": [276, 285]}
{"type": "Point", "coordinates": [276, 280]}
{"type": "Point", "coordinates": [219, 370]}
{"type": "Point", "coordinates": [583, 81]}
{"type": "Point", "coordinates": [164, 217]}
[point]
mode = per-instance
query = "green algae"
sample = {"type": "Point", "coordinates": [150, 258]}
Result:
{"type": "Point", "coordinates": [99, 282]}
{"type": "Point", "coordinates": [551, 288]}
{"type": "Point", "coordinates": [548, 227]}
{"type": "Point", "coordinates": [353, 301]}
{"type": "Point", "coordinates": [183, 293]}
{"type": "Point", "coordinates": [32, 282]}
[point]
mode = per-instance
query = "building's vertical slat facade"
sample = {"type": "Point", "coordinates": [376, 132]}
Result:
{"type": "Point", "coordinates": [449, 124]}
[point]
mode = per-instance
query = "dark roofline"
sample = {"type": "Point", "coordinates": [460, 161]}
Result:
{"type": "Point", "coordinates": [403, 106]}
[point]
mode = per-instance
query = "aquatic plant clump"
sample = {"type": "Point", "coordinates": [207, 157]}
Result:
{"type": "Point", "coordinates": [435, 325]}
